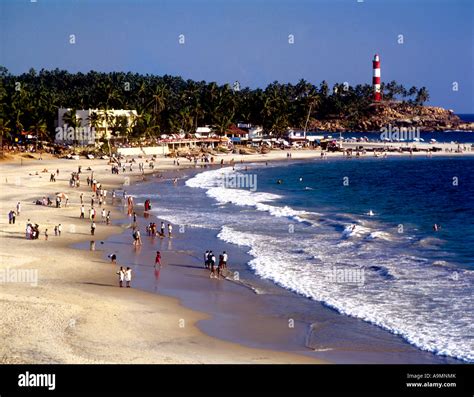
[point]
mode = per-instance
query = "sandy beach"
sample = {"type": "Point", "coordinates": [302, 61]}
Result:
{"type": "Point", "coordinates": [76, 313]}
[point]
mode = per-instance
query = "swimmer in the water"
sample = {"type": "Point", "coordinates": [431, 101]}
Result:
{"type": "Point", "coordinates": [279, 181]}
{"type": "Point", "coordinates": [371, 213]}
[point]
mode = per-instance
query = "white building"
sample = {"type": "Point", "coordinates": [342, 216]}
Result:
{"type": "Point", "coordinates": [256, 132]}
{"type": "Point", "coordinates": [93, 123]}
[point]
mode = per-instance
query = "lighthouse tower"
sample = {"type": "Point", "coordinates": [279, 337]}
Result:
{"type": "Point", "coordinates": [376, 79]}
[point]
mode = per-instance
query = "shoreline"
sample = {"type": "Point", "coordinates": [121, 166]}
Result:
{"type": "Point", "coordinates": [179, 279]}
{"type": "Point", "coordinates": [102, 279]}
{"type": "Point", "coordinates": [72, 315]}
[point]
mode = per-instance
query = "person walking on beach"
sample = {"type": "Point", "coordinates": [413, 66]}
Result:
{"type": "Point", "coordinates": [28, 231]}
{"type": "Point", "coordinates": [55, 230]}
{"type": "Point", "coordinates": [128, 277]}
{"type": "Point", "coordinates": [213, 264]}
{"type": "Point", "coordinates": [170, 229]}
{"type": "Point", "coordinates": [103, 214]}
{"type": "Point", "coordinates": [206, 259]}
{"type": "Point", "coordinates": [158, 259]}
{"type": "Point", "coordinates": [82, 212]}
{"type": "Point", "coordinates": [137, 240]}
{"type": "Point", "coordinates": [107, 218]}
{"type": "Point", "coordinates": [162, 233]}
{"type": "Point", "coordinates": [18, 208]}
{"type": "Point", "coordinates": [224, 260]}
{"type": "Point", "coordinates": [113, 258]}
{"type": "Point", "coordinates": [121, 274]}
{"type": "Point", "coordinates": [46, 234]}
{"type": "Point", "coordinates": [92, 228]}
{"type": "Point", "coordinates": [220, 266]}
{"type": "Point", "coordinates": [60, 228]}
{"type": "Point", "coordinates": [82, 198]}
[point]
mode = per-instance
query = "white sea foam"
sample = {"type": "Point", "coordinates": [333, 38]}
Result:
{"type": "Point", "coordinates": [401, 303]}
{"type": "Point", "coordinates": [355, 231]}
{"type": "Point", "coordinates": [212, 182]}
{"type": "Point", "coordinates": [379, 235]}
{"type": "Point", "coordinates": [426, 305]}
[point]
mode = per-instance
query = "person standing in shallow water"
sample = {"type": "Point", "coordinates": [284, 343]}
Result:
{"type": "Point", "coordinates": [206, 259]}
{"type": "Point", "coordinates": [128, 277]}
{"type": "Point", "coordinates": [162, 233]}
{"type": "Point", "coordinates": [158, 259]}
{"type": "Point", "coordinates": [224, 260]}
{"type": "Point", "coordinates": [121, 275]}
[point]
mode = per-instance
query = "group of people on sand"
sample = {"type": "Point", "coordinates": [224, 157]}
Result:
{"type": "Point", "coordinates": [151, 230]}
{"type": "Point", "coordinates": [215, 267]}
{"type": "Point", "coordinates": [44, 201]}
{"type": "Point", "coordinates": [125, 275]}
{"type": "Point", "coordinates": [13, 214]}
{"type": "Point", "coordinates": [32, 231]}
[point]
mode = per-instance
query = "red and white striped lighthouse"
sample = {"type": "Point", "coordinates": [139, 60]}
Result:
{"type": "Point", "coordinates": [376, 79]}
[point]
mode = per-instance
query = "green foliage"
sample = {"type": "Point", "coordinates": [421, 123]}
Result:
{"type": "Point", "coordinates": [167, 104]}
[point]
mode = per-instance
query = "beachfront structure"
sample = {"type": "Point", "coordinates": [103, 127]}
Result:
{"type": "Point", "coordinates": [203, 131]}
{"type": "Point", "coordinates": [97, 120]}
{"type": "Point", "coordinates": [237, 135]}
{"type": "Point", "coordinates": [255, 132]}
{"type": "Point", "coordinates": [376, 78]}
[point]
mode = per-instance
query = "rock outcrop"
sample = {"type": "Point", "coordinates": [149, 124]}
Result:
{"type": "Point", "coordinates": [378, 116]}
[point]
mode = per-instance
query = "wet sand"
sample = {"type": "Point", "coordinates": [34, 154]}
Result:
{"type": "Point", "coordinates": [76, 313]}
{"type": "Point", "coordinates": [251, 311]}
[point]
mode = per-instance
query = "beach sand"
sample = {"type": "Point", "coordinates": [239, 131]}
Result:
{"type": "Point", "coordinates": [76, 313]}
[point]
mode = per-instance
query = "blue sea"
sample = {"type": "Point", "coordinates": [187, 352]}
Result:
{"type": "Point", "coordinates": [355, 234]}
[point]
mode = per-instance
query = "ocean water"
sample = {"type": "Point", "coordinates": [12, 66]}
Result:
{"type": "Point", "coordinates": [461, 137]}
{"type": "Point", "coordinates": [355, 234]}
{"type": "Point", "coordinates": [467, 117]}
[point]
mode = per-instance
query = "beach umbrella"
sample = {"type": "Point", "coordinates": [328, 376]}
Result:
{"type": "Point", "coordinates": [62, 195]}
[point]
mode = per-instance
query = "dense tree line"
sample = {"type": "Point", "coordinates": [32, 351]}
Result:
{"type": "Point", "coordinates": [167, 104]}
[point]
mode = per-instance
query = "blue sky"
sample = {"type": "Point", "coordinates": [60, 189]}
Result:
{"type": "Point", "coordinates": [247, 40]}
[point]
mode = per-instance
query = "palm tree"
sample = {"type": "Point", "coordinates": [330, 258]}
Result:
{"type": "Point", "coordinates": [422, 96]}
{"type": "Point", "coordinates": [110, 95]}
{"type": "Point", "coordinates": [4, 131]}
{"type": "Point", "coordinates": [71, 119]}
{"type": "Point", "coordinates": [158, 102]}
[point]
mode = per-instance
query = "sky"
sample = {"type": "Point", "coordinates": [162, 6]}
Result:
{"type": "Point", "coordinates": [249, 41]}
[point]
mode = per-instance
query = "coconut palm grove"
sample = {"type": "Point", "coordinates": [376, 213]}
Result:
{"type": "Point", "coordinates": [169, 104]}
